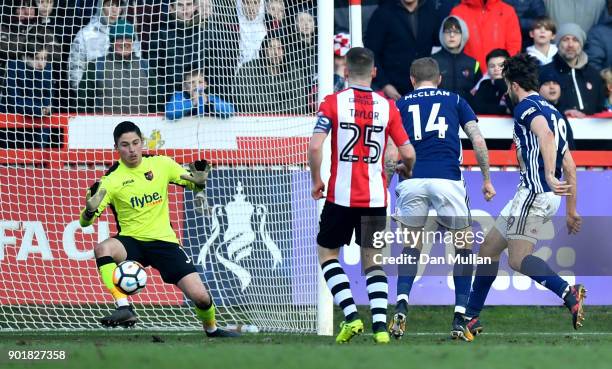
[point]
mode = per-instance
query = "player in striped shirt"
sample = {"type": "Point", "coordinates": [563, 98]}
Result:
{"type": "Point", "coordinates": [360, 122]}
{"type": "Point", "coordinates": [540, 137]}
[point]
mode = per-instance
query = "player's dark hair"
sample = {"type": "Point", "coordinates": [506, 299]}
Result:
{"type": "Point", "coordinates": [522, 69]}
{"type": "Point", "coordinates": [425, 69]}
{"type": "Point", "coordinates": [359, 62]}
{"type": "Point", "coordinates": [496, 53]}
{"type": "Point", "coordinates": [125, 127]}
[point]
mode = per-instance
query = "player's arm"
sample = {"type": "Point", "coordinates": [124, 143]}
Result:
{"type": "Point", "coordinates": [96, 200]}
{"type": "Point", "coordinates": [315, 158]}
{"type": "Point", "coordinates": [398, 134]}
{"type": "Point", "coordinates": [548, 150]}
{"type": "Point", "coordinates": [574, 221]}
{"type": "Point", "coordinates": [194, 178]}
{"type": "Point", "coordinates": [482, 156]}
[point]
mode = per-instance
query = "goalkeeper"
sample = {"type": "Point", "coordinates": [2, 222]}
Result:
{"type": "Point", "coordinates": [136, 188]}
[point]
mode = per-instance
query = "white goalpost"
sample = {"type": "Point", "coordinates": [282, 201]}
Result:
{"type": "Point", "coordinates": [236, 82]}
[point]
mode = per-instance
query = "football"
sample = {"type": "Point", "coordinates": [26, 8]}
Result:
{"type": "Point", "coordinates": [130, 277]}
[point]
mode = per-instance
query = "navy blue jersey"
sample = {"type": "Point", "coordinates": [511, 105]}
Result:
{"type": "Point", "coordinates": [432, 117]}
{"type": "Point", "coordinates": [527, 145]}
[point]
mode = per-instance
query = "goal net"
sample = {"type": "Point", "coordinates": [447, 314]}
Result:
{"type": "Point", "coordinates": [232, 81]}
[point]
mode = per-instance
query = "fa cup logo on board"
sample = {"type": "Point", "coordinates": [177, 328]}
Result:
{"type": "Point", "coordinates": [237, 241]}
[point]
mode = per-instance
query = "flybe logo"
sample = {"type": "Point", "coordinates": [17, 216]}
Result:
{"type": "Point", "coordinates": [145, 200]}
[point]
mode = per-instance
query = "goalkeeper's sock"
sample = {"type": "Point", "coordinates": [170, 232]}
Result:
{"type": "Point", "coordinates": [106, 266]}
{"type": "Point", "coordinates": [338, 284]}
{"type": "Point", "coordinates": [377, 286]}
{"type": "Point", "coordinates": [207, 316]}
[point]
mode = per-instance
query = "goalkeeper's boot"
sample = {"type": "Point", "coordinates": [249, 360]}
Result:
{"type": "Point", "coordinates": [459, 329]}
{"type": "Point", "coordinates": [574, 301]}
{"type": "Point", "coordinates": [381, 337]}
{"type": "Point", "coordinates": [474, 326]}
{"type": "Point", "coordinates": [123, 316]}
{"type": "Point", "coordinates": [348, 330]}
{"type": "Point", "coordinates": [397, 325]}
{"type": "Point", "coordinates": [221, 333]}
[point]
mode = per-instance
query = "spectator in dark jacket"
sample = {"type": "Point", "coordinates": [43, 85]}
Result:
{"type": "Point", "coordinates": [398, 33]}
{"type": "Point", "coordinates": [527, 11]}
{"type": "Point", "coordinates": [490, 97]}
{"type": "Point", "coordinates": [29, 82]}
{"type": "Point", "coordinates": [460, 73]}
{"type": "Point", "coordinates": [341, 14]}
{"type": "Point", "coordinates": [580, 82]}
{"type": "Point", "coordinates": [599, 42]}
{"type": "Point", "coordinates": [606, 74]}
{"type": "Point", "coordinates": [550, 89]}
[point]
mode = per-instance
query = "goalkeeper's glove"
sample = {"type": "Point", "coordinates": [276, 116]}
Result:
{"type": "Point", "coordinates": [198, 172]}
{"type": "Point", "coordinates": [93, 199]}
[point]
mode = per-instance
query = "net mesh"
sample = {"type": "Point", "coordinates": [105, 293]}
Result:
{"type": "Point", "coordinates": [230, 81]}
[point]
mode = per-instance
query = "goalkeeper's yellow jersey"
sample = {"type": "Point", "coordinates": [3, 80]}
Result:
{"type": "Point", "coordinates": [138, 197]}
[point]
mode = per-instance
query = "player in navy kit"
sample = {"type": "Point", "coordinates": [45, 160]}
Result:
{"type": "Point", "coordinates": [433, 118]}
{"type": "Point", "coordinates": [543, 155]}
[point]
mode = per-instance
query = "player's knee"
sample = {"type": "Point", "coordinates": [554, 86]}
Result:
{"type": "Point", "coordinates": [515, 263]}
{"type": "Point", "coordinates": [202, 300]}
{"type": "Point", "coordinates": [100, 249]}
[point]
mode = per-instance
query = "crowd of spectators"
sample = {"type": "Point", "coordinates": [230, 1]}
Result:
{"type": "Point", "coordinates": [146, 56]}
{"type": "Point", "coordinates": [218, 57]}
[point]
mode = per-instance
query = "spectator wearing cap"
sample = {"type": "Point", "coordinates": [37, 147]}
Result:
{"type": "Point", "coordinates": [550, 89]}
{"type": "Point", "coordinates": [342, 44]}
{"type": "Point", "coordinates": [118, 83]}
{"type": "Point", "coordinates": [460, 72]}
{"type": "Point", "coordinates": [580, 82]}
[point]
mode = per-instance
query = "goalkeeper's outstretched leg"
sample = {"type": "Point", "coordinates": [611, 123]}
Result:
{"type": "Point", "coordinates": [194, 289]}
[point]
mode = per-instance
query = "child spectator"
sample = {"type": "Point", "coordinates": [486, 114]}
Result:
{"type": "Point", "coordinates": [195, 99]}
{"type": "Point", "coordinates": [460, 72]}
{"type": "Point", "coordinates": [490, 97]}
{"type": "Point", "coordinates": [606, 74]}
{"type": "Point", "coordinates": [543, 33]}
{"type": "Point", "coordinates": [550, 89]}
{"type": "Point", "coordinates": [118, 83]}
{"type": "Point", "coordinates": [29, 82]}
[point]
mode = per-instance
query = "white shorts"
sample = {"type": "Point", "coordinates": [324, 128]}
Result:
{"type": "Point", "coordinates": [525, 216]}
{"type": "Point", "coordinates": [448, 198]}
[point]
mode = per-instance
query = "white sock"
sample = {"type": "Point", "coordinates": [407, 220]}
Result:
{"type": "Point", "coordinates": [123, 302]}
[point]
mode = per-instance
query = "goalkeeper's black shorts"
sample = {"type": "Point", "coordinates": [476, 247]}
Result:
{"type": "Point", "coordinates": [170, 259]}
{"type": "Point", "coordinates": [338, 222]}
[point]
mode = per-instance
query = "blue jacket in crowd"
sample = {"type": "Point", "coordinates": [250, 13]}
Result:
{"type": "Point", "coordinates": [28, 91]}
{"type": "Point", "coordinates": [180, 105]}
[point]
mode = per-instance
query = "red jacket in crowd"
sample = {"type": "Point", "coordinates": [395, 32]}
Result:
{"type": "Point", "coordinates": [493, 24]}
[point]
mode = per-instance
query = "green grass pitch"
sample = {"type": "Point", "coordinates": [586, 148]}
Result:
{"type": "Point", "coordinates": [515, 337]}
